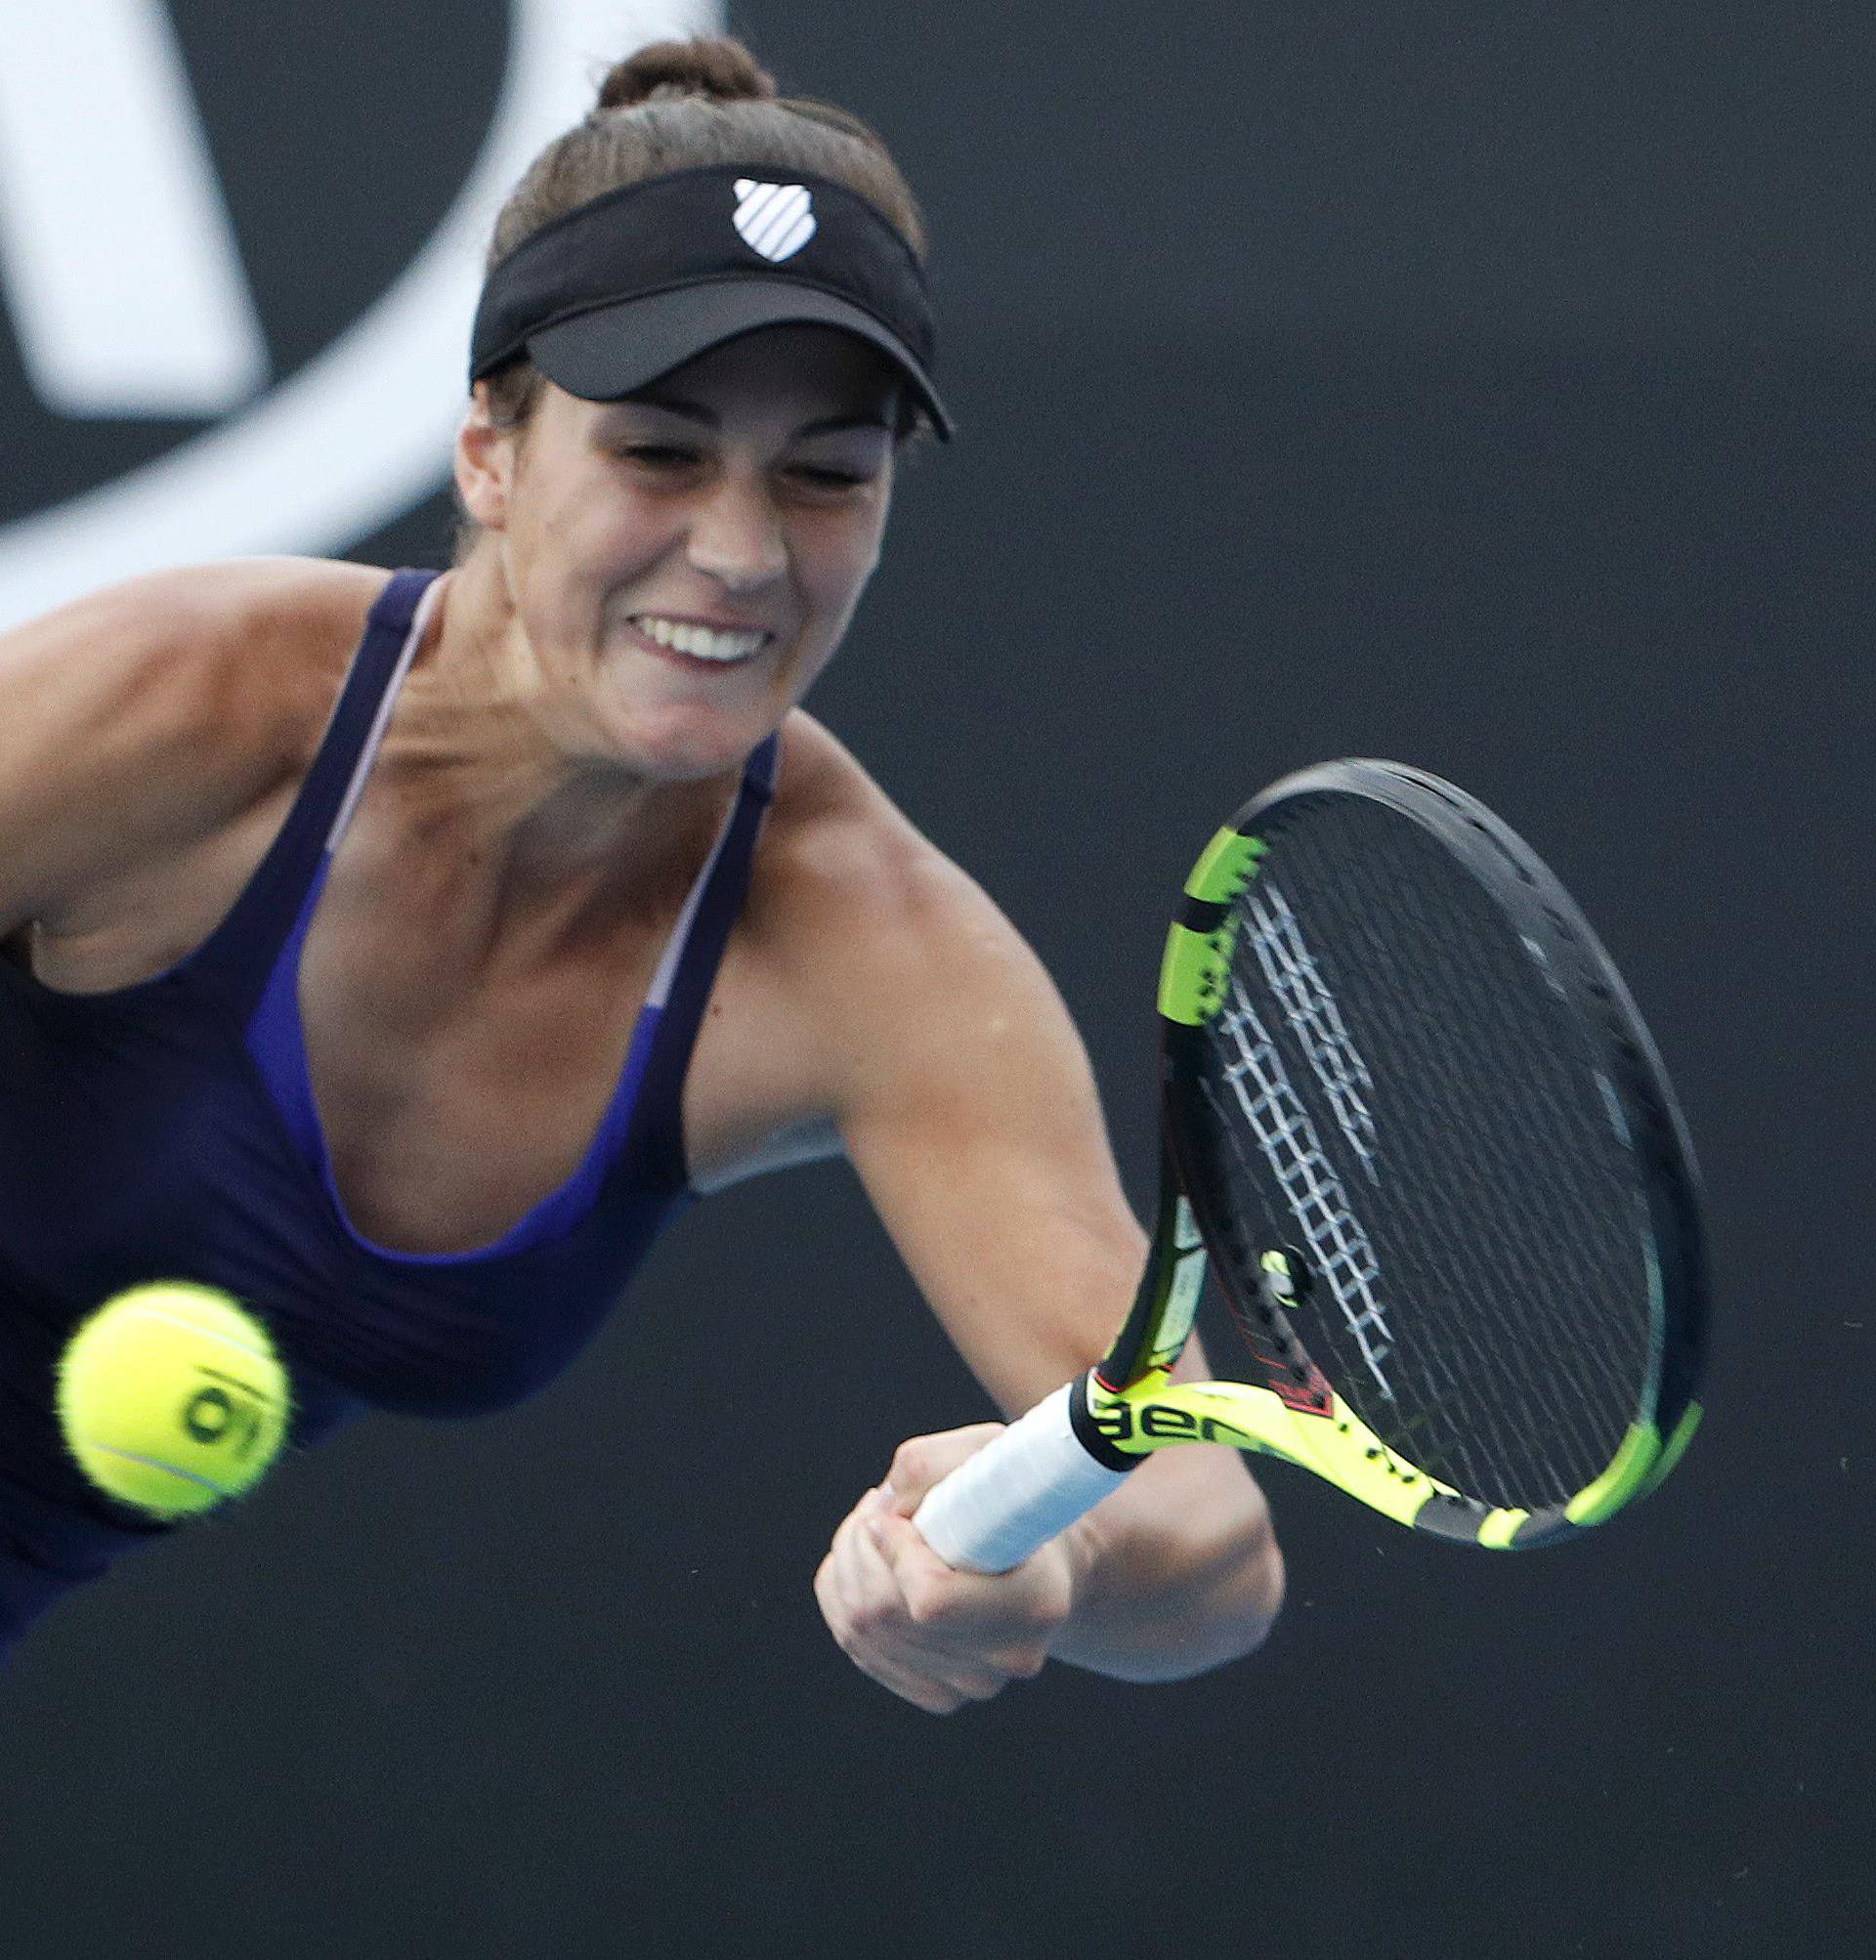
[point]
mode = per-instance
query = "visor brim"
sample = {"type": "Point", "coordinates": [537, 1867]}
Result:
{"type": "Point", "coordinates": [612, 351]}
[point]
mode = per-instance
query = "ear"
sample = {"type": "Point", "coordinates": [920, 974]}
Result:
{"type": "Point", "coordinates": [485, 463]}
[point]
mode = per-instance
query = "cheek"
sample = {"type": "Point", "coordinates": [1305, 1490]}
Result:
{"type": "Point", "coordinates": [588, 540]}
{"type": "Point", "coordinates": [841, 570]}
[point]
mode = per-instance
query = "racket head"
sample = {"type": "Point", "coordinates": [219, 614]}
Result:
{"type": "Point", "coordinates": [1434, 1155]}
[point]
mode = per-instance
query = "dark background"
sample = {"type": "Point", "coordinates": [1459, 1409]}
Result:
{"type": "Point", "coordinates": [1485, 386]}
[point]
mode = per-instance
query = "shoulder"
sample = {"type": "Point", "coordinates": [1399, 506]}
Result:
{"type": "Point", "coordinates": [199, 620]}
{"type": "Point", "coordinates": [225, 644]}
{"type": "Point", "coordinates": [841, 860]}
{"type": "Point", "coordinates": [155, 709]}
{"type": "Point", "coordinates": [878, 932]}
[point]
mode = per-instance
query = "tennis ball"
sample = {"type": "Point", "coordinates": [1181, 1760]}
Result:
{"type": "Point", "coordinates": [172, 1399]}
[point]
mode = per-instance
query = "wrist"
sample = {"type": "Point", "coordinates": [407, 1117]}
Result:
{"type": "Point", "coordinates": [1084, 1546]}
{"type": "Point", "coordinates": [1169, 1582]}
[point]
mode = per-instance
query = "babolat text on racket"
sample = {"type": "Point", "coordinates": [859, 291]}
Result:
{"type": "Point", "coordinates": [1413, 1118]}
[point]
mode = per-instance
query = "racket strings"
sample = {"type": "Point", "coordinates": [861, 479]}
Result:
{"type": "Point", "coordinates": [1310, 1010]}
{"type": "Point", "coordinates": [1276, 1117]}
{"type": "Point", "coordinates": [1527, 1389]}
{"type": "Point", "coordinates": [1400, 1086]}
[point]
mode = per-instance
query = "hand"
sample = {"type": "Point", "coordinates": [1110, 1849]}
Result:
{"type": "Point", "coordinates": [936, 1636]}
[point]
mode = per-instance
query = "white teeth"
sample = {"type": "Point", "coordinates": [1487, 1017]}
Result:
{"type": "Point", "coordinates": [702, 643]}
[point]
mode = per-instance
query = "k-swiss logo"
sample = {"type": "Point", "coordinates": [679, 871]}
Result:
{"type": "Point", "coordinates": [142, 346]}
{"type": "Point", "coordinates": [774, 219]}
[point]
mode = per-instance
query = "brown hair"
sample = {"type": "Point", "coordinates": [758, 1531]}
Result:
{"type": "Point", "coordinates": [682, 105]}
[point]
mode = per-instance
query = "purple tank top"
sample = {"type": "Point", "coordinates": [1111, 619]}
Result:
{"type": "Point", "coordinates": [168, 1131]}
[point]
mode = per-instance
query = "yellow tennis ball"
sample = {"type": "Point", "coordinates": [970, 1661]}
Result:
{"type": "Point", "coordinates": [172, 1399]}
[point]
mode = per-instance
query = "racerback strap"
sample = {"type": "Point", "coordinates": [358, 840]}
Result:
{"type": "Point", "coordinates": [682, 988]}
{"type": "Point", "coordinates": [238, 956]}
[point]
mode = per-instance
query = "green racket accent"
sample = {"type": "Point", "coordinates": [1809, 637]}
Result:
{"type": "Point", "coordinates": [1498, 1528]}
{"type": "Point", "coordinates": [1675, 1447]}
{"type": "Point", "coordinates": [1626, 1476]}
{"type": "Point", "coordinates": [1192, 974]}
{"type": "Point", "coordinates": [1198, 947]}
{"type": "Point", "coordinates": [1225, 866]}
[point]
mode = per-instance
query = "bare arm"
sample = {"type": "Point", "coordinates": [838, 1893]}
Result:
{"type": "Point", "coordinates": [969, 1111]}
{"type": "Point", "coordinates": [135, 722]}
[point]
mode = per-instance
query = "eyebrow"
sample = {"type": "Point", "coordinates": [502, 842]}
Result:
{"type": "Point", "coordinates": [695, 411]}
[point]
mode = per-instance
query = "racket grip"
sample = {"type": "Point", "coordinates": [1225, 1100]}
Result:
{"type": "Point", "coordinates": [1019, 1491]}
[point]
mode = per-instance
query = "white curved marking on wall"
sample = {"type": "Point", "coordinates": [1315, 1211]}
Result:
{"type": "Point", "coordinates": [364, 431]}
{"type": "Point", "coordinates": [117, 257]}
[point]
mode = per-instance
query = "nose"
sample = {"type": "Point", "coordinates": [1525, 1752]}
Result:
{"type": "Point", "coordinates": [736, 537]}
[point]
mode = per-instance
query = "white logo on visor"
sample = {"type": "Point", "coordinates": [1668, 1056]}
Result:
{"type": "Point", "coordinates": [774, 219]}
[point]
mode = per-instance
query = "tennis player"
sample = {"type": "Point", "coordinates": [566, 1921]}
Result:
{"type": "Point", "coordinates": [401, 953]}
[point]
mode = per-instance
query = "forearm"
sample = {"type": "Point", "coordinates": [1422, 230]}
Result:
{"type": "Point", "coordinates": [1178, 1571]}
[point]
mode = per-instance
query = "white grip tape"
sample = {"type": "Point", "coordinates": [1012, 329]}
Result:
{"type": "Point", "coordinates": [1016, 1493]}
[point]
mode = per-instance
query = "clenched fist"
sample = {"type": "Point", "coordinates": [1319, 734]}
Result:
{"type": "Point", "coordinates": [936, 1636]}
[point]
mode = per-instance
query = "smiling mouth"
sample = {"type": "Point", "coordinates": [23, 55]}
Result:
{"type": "Point", "coordinates": [707, 645]}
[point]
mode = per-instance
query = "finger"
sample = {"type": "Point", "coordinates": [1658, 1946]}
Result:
{"type": "Point", "coordinates": [974, 1654]}
{"type": "Point", "coordinates": [989, 1618]}
{"type": "Point", "coordinates": [937, 1688]}
{"type": "Point", "coordinates": [866, 1590]}
{"type": "Point", "coordinates": [868, 1620]}
{"type": "Point", "coordinates": [870, 1615]}
{"type": "Point", "coordinates": [881, 1613]}
{"type": "Point", "coordinates": [937, 1593]}
{"type": "Point", "coordinates": [866, 1609]}
{"type": "Point", "coordinates": [935, 1697]}
{"type": "Point", "coordinates": [888, 1642]}
{"type": "Point", "coordinates": [921, 1461]}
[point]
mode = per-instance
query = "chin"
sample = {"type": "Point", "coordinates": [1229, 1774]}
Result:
{"type": "Point", "coordinates": [685, 745]}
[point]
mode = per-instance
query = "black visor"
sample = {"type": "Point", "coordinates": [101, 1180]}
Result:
{"type": "Point", "coordinates": [620, 291]}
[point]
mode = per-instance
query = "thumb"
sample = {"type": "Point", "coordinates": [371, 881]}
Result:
{"type": "Point", "coordinates": [917, 1568]}
{"type": "Point", "coordinates": [897, 1539]}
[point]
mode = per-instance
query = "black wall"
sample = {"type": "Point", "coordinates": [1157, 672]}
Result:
{"type": "Point", "coordinates": [1484, 386]}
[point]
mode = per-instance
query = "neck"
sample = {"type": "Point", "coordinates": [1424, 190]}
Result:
{"type": "Point", "coordinates": [476, 771]}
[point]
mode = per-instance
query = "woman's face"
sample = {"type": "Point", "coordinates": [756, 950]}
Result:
{"type": "Point", "coordinates": [684, 563]}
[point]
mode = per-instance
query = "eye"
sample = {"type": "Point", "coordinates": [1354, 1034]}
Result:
{"type": "Point", "coordinates": [824, 476]}
{"type": "Point", "coordinates": [659, 455]}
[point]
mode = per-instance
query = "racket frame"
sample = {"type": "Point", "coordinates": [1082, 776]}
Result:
{"type": "Point", "coordinates": [1078, 1445]}
{"type": "Point", "coordinates": [1310, 1423]}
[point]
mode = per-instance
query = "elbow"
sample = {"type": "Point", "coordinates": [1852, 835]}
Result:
{"type": "Point", "coordinates": [1247, 1605]}
{"type": "Point", "coordinates": [1245, 1585]}
{"type": "Point", "coordinates": [1261, 1599]}
{"type": "Point", "coordinates": [1176, 1581]}
{"type": "Point", "coordinates": [1243, 1608]}
{"type": "Point", "coordinates": [1231, 1615]}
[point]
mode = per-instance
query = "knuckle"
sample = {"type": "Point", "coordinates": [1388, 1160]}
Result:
{"type": "Point", "coordinates": [1043, 1623]}
{"type": "Point", "coordinates": [1027, 1662]}
{"type": "Point", "coordinates": [869, 1618]}
{"type": "Point", "coordinates": [911, 1461]}
{"type": "Point", "coordinates": [831, 1612]}
{"type": "Point", "coordinates": [838, 1620]}
{"type": "Point", "coordinates": [929, 1602]}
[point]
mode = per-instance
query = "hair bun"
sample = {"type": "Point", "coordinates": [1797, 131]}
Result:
{"type": "Point", "coordinates": [714, 66]}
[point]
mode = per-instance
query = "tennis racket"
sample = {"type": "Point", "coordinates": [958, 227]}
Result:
{"type": "Point", "coordinates": [1413, 1121]}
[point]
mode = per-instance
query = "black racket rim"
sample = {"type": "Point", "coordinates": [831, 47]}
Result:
{"type": "Point", "coordinates": [1540, 910]}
